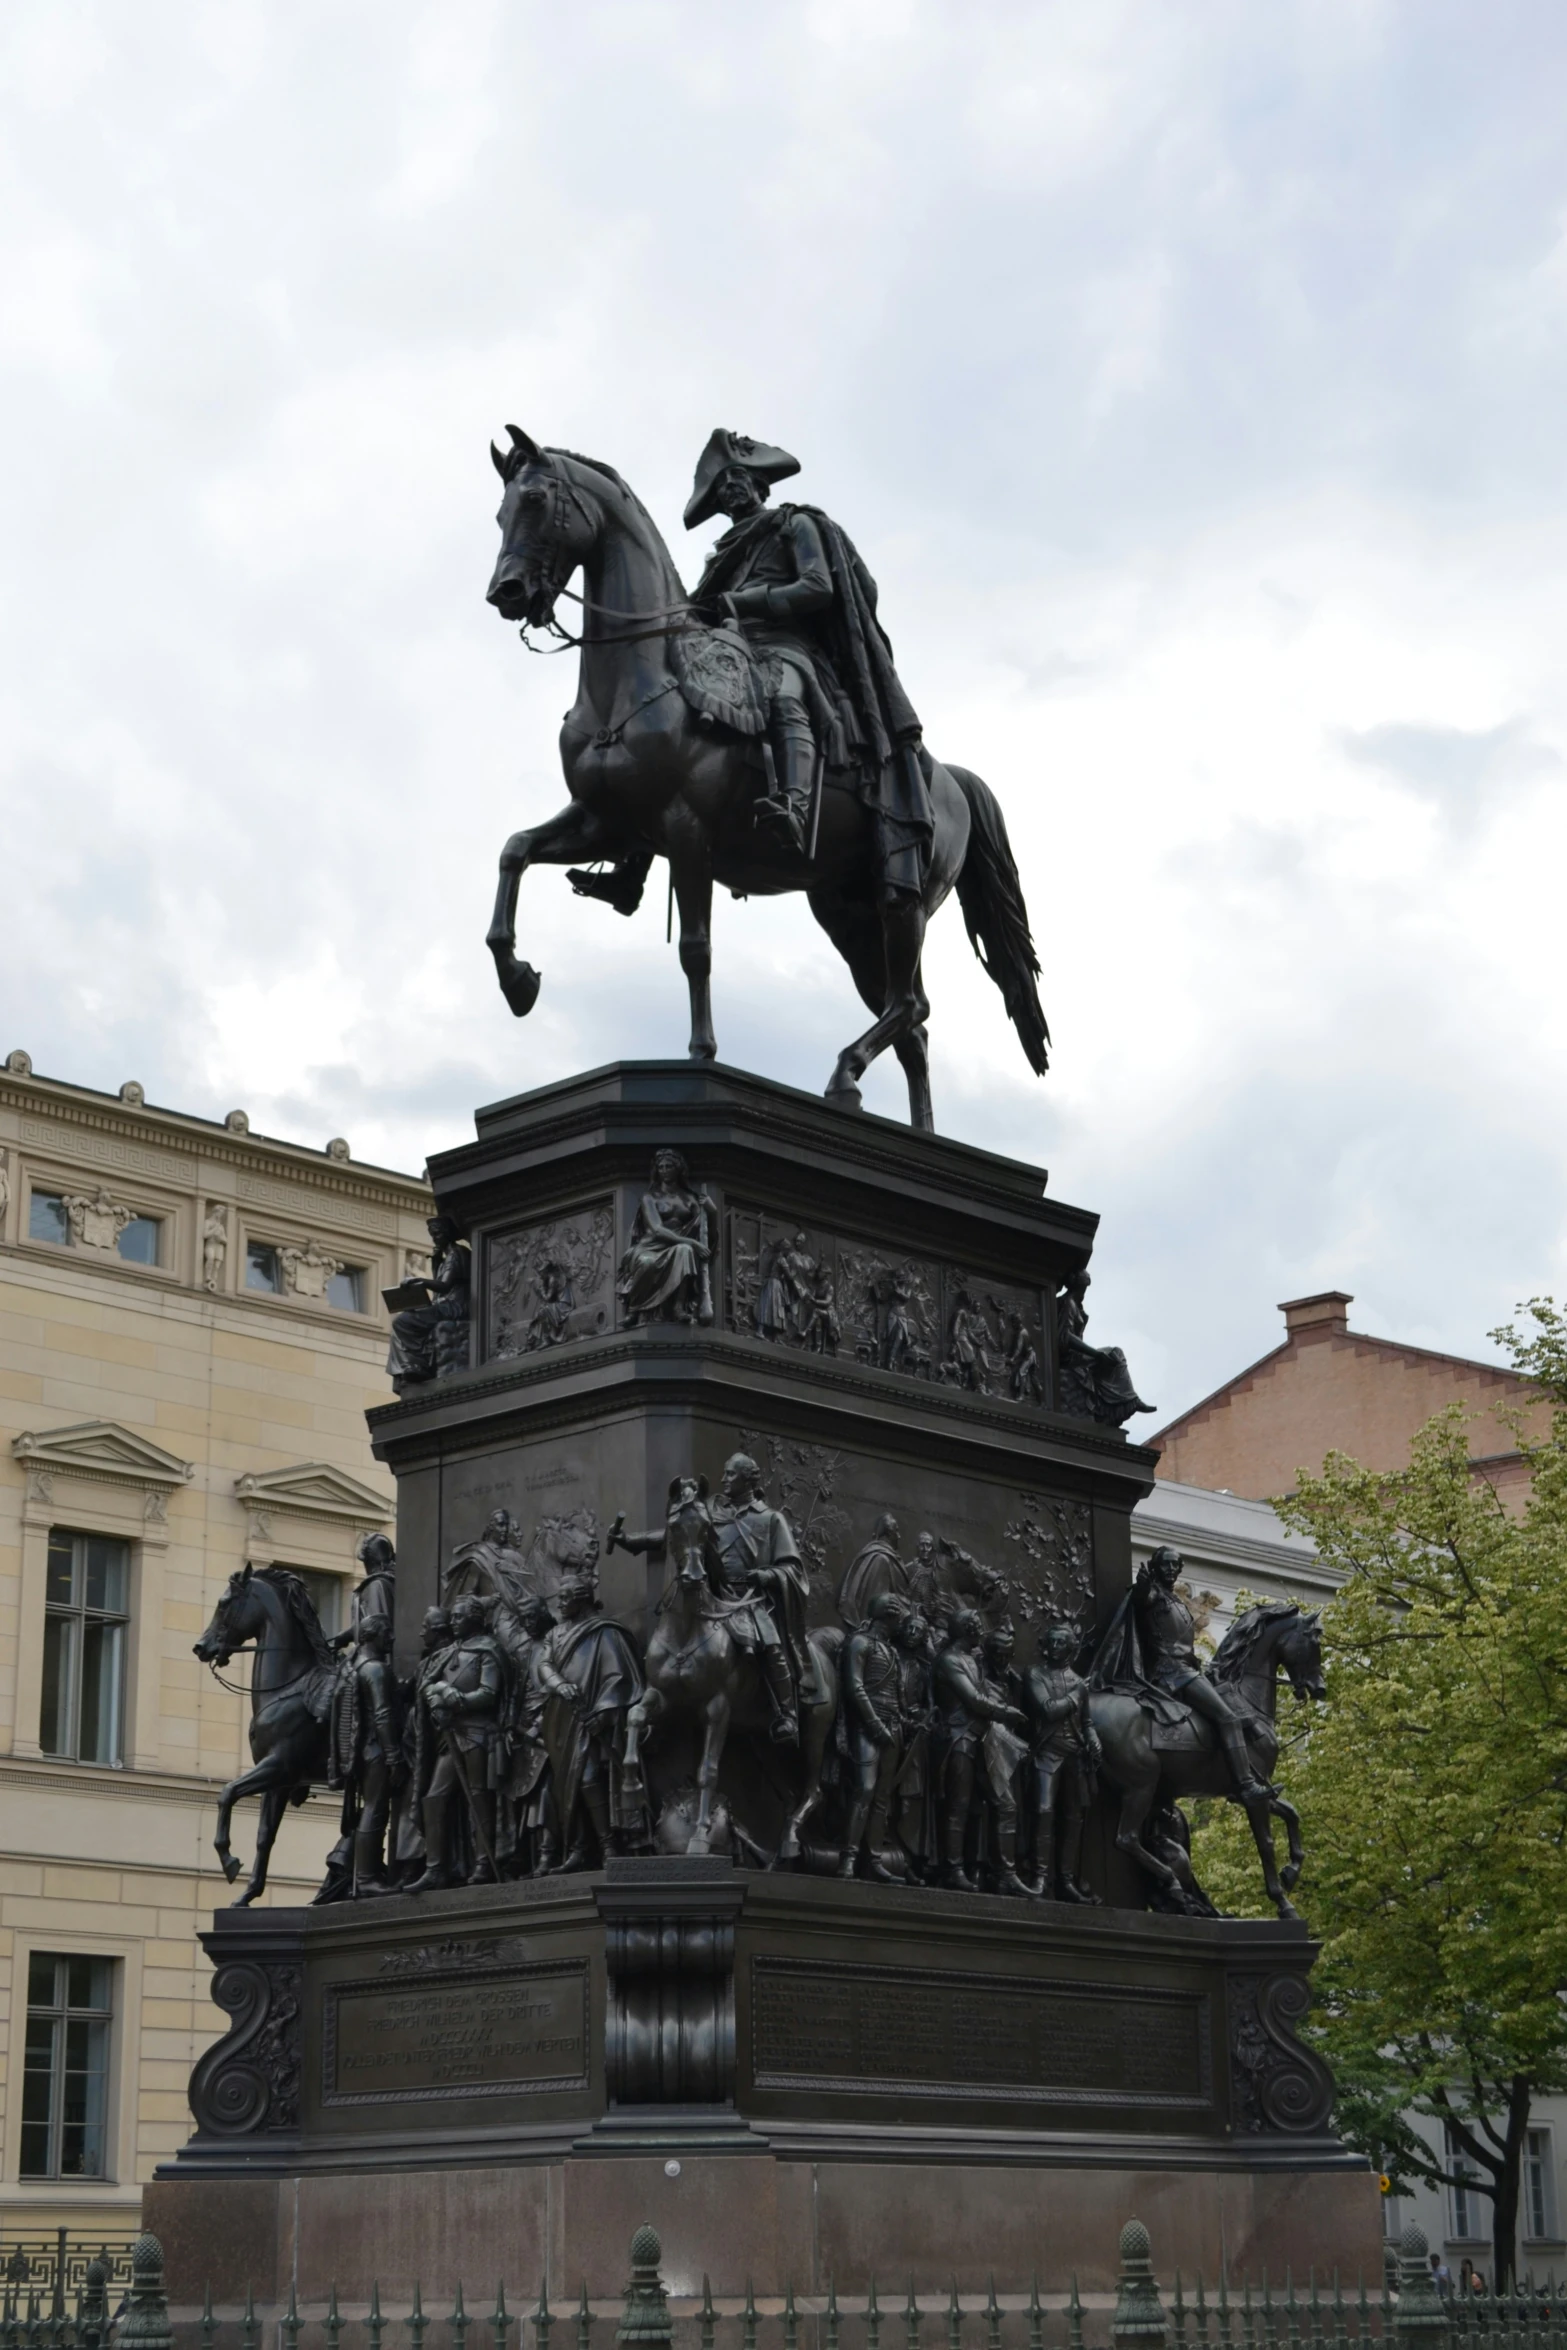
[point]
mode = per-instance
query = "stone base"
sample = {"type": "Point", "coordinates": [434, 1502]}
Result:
{"type": "Point", "coordinates": [748, 2218]}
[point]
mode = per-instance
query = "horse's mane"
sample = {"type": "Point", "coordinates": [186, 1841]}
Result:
{"type": "Point", "coordinates": [608, 473]}
{"type": "Point", "coordinates": [298, 1603]}
{"type": "Point", "coordinates": [1235, 1649]}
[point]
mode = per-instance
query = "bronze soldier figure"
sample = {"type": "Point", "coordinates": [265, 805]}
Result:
{"type": "Point", "coordinates": [1064, 1757]}
{"type": "Point", "coordinates": [376, 1595]}
{"type": "Point", "coordinates": [464, 1706]}
{"type": "Point", "coordinates": [373, 1751]}
{"type": "Point", "coordinates": [591, 1676]}
{"type": "Point", "coordinates": [532, 1832]}
{"type": "Point", "coordinates": [967, 1709]}
{"type": "Point", "coordinates": [911, 1795]}
{"type": "Point", "coordinates": [419, 1747]}
{"type": "Point", "coordinates": [871, 1722]}
{"type": "Point", "coordinates": [763, 1586]}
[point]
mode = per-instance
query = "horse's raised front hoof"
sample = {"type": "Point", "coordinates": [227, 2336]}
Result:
{"type": "Point", "coordinates": [1289, 1875]}
{"type": "Point", "coordinates": [519, 981]}
{"type": "Point", "coordinates": [843, 1093]}
{"type": "Point", "coordinates": [230, 1866]}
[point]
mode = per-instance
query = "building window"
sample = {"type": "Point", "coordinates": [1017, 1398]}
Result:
{"type": "Point", "coordinates": [1539, 2187]}
{"type": "Point", "coordinates": [86, 1599]}
{"type": "Point", "coordinates": [345, 1289]}
{"type": "Point", "coordinates": [326, 1597]}
{"type": "Point", "coordinates": [139, 1241]}
{"type": "Point", "coordinates": [263, 1267]}
{"type": "Point", "coordinates": [47, 1218]}
{"type": "Point", "coordinates": [65, 2080]}
{"type": "Point", "coordinates": [1468, 2225]}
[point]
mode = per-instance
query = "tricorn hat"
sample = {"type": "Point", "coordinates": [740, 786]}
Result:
{"type": "Point", "coordinates": [733, 448]}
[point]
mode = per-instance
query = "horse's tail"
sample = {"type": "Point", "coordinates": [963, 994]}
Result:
{"type": "Point", "coordinates": [991, 895]}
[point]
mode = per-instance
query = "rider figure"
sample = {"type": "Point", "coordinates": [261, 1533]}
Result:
{"type": "Point", "coordinates": [763, 1585]}
{"type": "Point", "coordinates": [798, 592]}
{"type": "Point", "coordinates": [1166, 1636]}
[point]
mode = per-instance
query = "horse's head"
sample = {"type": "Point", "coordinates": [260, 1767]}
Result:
{"type": "Point", "coordinates": [547, 525]}
{"type": "Point", "coordinates": [234, 1620]}
{"type": "Point", "coordinates": [1301, 1654]}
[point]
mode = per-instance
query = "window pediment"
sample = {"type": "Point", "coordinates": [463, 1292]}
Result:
{"type": "Point", "coordinates": [316, 1490]}
{"type": "Point", "coordinates": [104, 1451]}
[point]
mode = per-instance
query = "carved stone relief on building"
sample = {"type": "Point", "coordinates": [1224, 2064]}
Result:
{"type": "Point", "coordinates": [97, 1220]}
{"type": "Point", "coordinates": [819, 1294]}
{"type": "Point", "coordinates": [307, 1268]}
{"type": "Point", "coordinates": [5, 1186]}
{"type": "Point", "coordinates": [550, 1283]}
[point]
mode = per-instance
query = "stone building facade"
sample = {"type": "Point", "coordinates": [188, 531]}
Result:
{"type": "Point", "coordinates": [1330, 1388]}
{"type": "Point", "coordinates": [191, 1329]}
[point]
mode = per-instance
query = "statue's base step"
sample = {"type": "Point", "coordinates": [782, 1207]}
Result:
{"type": "Point", "coordinates": [771, 2221]}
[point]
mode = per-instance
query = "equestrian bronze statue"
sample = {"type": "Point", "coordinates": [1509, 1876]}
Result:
{"type": "Point", "coordinates": [756, 735]}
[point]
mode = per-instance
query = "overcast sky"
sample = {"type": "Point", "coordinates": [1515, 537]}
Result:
{"type": "Point", "coordinates": [1193, 379]}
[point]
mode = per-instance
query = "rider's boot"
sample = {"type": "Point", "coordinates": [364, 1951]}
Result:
{"type": "Point", "coordinates": [1233, 1739]}
{"type": "Point", "coordinates": [595, 1802]}
{"type": "Point", "coordinates": [369, 1867]}
{"type": "Point", "coordinates": [786, 810]}
{"type": "Point", "coordinates": [1072, 1886]}
{"type": "Point", "coordinates": [785, 1729]}
{"type": "Point", "coordinates": [621, 887]}
{"type": "Point", "coordinates": [435, 1875]}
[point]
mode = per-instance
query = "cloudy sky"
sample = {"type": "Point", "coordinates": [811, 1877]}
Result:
{"type": "Point", "coordinates": [1193, 378]}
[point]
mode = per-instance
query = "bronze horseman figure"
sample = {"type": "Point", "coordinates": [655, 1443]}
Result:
{"type": "Point", "coordinates": [758, 737]}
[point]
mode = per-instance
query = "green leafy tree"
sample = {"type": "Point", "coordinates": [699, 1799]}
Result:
{"type": "Point", "coordinates": [1433, 1793]}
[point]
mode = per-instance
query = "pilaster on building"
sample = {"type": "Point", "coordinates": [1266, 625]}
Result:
{"type": "Point", "coordinates": [192, 1331]}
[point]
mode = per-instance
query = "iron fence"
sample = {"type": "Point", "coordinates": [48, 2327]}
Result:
{"type": "Point", "coordinates": [1324, 2313]}
{"type": "Point", "coordinates": [56, 2265]}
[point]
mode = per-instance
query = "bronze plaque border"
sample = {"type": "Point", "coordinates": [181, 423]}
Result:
{"type": "Point", "coordinates": [458, 1978]}
{"type": "Point", "coordinates": [983, 2092]}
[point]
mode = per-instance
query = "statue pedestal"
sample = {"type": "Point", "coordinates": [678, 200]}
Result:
{"type": "Point", "coordinates": [794, 2078]}
{"type": "Point", "coordinates": [852, 2080]}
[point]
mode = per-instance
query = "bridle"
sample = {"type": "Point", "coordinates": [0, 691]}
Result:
{"type": "Point", "coordinates": [558, 490]}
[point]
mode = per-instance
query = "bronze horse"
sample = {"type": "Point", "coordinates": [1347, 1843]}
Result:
{"type": "Point", "coordinates": [291, 1684]}
{"type": "Point", "coordinates": [645, 773]}
{"type": "Point", "coordinates": [1276, 1637]}
{"type": "Point", "coordinates": [695, 1666]}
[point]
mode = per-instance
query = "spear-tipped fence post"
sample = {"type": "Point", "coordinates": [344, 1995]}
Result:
{"type": "Point", "coordinates": [417, 2321]}
{"type": "Point", "coordinates": [911, 2319]}
{"type": "Point", "coordinates": [459, 2321]}
{"type": "Point", "coordinates": [954, 2319]}
{"type": "Point", "coordinates": [791, 2322]}
{"type": "Point", "coordinates": [1139, 2313]}
{"type": "Point", "coordinates": [1074, 2314]}
{"type": "Point", "coordinates": [1340, 2331]}
{"type": "Point", "coordinates": [585, 2319]}
{"type": "Point", "coordinates": [748, 2319]}
{"type": "Point", "coordinates": [1248, 2318]}
{"type": "Point", "coordinates": [992, 2317]}
{"type": "Point", "coordinates": [1291, 2311]}
{"type": "Point", "coordinates": [645, 2311]}
{"type": "Point", "coordinates": [291, 2320]}
{"type": "Point", "coordinates": [1036, 2316]}
{"type": "Point", "coordinates": [872, 2319]}
{"type": "Point", "coordinates": [1224, 2304]}
{"type": "Point", "coordinates": [500, 2321]}
{"type": "Point", "coordinates": [145, 2325]}
{"type": "Point", "coordinates": [1178, 2314]}
{"type": "Point", "coordinates": [1200, 2313]}
{"type": "Point", "coordinates": [209, 2324]}
{"type": "Point", "coordinates": [249, 2331]}
{"type": "Point", "coordinates": [1421, 2316]}
{"type": "Point", "coordinates": [375, 2323]}
{"type": "Point", "coordinates": [332, 2324]}
{"type": "Point", "coordinates": [707, 2318]}
{"type": "Point", "coordinates": [542, 2320]}
{"type": "Point", "coordinates": [831, 2336]}
{"type": "Point", "coordinates": [1270, 2316]}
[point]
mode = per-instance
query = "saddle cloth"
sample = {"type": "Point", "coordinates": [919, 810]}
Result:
{"type": "Point", "coordinates": [719, 677]}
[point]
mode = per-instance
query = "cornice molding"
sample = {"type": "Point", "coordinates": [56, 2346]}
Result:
{"type": "Point", "coordinates": [194, 1139]}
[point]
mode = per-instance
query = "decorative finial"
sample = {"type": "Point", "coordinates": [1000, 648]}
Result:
{"type": "Point", "coordinates": [134, 1092]}
{"type": "Point", "coordinates": [337, 1148]}
{"type": "Point", "coordinates": [237, 1122]}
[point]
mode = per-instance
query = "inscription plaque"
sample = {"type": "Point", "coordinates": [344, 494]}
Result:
{"type": "Point", "coordinates": [456, 2035]}
{"type": "Point", "coordinates": [872, 2028]}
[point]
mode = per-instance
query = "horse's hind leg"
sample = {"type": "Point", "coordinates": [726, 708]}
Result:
{"type": "Point", "coordinates": [715, 1734]}
{"type": "Point", "coordinates": [693, 879]}
{"type": "Point", "coordinates": [573, 831]}
{"type": "Point", "coordinates": [903, 1011]}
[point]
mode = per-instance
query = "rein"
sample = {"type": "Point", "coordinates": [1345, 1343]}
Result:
{"type": "Point", "coordinates": [233, 1687]}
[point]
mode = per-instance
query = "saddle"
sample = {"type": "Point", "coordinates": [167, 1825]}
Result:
{"type": "Point", "coordinates": [1173, 1728]}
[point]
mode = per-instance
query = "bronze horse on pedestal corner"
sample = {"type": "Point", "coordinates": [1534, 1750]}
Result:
{"type": "Point", "coordinates": [291, 1685]}
{"type": "Point", "coordinates": [1275, 1637]}
{"type": "Point", "coordinates": [646, 774]}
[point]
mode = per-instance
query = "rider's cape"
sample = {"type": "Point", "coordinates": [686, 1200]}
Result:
{"type": "Point", "coordinates": [1118, 1663]}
